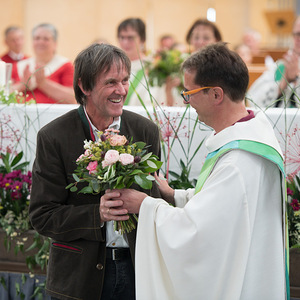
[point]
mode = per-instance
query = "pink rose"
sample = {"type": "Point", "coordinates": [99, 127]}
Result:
{"type": "Point", "coordinates": [104, 164]}
{"type": "Point", "coordinates": [111, 157]}
{"type": "Point", "coordinates": [117, 140]}
{"type": "Point", "coordinates": [126, 159]}
{"type": "Point", "coordinates": [92, 166]}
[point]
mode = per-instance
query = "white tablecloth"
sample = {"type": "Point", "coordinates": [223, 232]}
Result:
{"type": "Point", "coordinates": [28, 119]}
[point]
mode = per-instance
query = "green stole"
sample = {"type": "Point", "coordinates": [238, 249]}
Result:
{"type": "Point", "coordinates": [260, 149]}
{"type": "Point", "coordinates": [133, 85]}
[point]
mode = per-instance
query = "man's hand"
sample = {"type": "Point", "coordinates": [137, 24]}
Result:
{"type": "Point", "coordinates": [112, 209]}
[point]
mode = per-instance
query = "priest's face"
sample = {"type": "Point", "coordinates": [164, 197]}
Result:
{"type": "Point", "coordinates": [107, 98]}
{"type": "Point", "coordinates": [200, 101]}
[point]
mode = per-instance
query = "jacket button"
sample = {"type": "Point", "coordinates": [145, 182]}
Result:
{"type": "Point", "coordinates": [99, 266]}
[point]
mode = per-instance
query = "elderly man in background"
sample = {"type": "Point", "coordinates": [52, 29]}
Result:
{"type": "Point", "coordinates": [46, 77]}
{"type": "Point", "coordinates": [14, 40]}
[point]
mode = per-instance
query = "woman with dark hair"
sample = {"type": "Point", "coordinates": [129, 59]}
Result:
{"type": "Point", "coordinates": [202, 33]}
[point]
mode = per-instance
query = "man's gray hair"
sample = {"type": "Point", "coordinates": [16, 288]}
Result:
{"type": "Point", "coordinates": [10, 29]}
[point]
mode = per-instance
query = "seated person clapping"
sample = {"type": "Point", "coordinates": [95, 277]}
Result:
{"type": "Point", "coordinates": [46, 77]}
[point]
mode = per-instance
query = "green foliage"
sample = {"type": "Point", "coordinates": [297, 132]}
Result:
{"type": "Point", "coordinates": [14, 97]}
{"type": "Point", "coordinates": [182, 181]}
{"type": "Point", "coordinates": [11, 163]}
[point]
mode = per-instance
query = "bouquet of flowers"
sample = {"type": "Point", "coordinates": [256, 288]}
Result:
{"type": "Point", "coordinates": [293, 210]}
{"type": "Point", "coordinates": [113, 162]}
{"type": "Point", "coordinates": [164, 64]}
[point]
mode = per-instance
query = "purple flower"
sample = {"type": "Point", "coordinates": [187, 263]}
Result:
{"type": "Point", "coordinates": [295, 205]}
{"type": "Point", "coordinates": [289, 192]}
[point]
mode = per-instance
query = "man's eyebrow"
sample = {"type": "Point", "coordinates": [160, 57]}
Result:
{"type": "Point", "coordinates": [111, 79]}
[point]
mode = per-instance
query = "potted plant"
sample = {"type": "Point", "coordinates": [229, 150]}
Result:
{"type": "Point", "coordinates": [23, 249]}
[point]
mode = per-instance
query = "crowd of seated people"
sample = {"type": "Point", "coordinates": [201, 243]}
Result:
{"type": "Point", "coordinates": [47, 77]}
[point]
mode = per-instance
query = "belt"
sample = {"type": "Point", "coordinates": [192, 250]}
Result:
{"type": "Point", "coordinates": [117, 253]}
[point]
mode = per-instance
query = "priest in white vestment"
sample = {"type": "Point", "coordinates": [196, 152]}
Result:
{"type": "Point", "coordinates": [224, 240]}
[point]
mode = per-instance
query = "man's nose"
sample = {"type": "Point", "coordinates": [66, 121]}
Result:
{"type": "Point", "coordinates": [121, 89]}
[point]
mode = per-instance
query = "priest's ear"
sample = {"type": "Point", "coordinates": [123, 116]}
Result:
{"type": "Point", "coordinates": [217, 94]}
{"type": "Point", "coordinates": [86, 93]}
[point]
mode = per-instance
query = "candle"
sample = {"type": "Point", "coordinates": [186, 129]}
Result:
{"type": "Point", "coordinates": [2, 73]}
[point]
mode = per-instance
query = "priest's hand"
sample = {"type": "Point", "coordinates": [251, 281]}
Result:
{"type": "Point", "coordinates": [132, 199]}
{"type": "Point", "coordinates": [111, 209]}
{"type": "Point", "coordinates": [166, 191]}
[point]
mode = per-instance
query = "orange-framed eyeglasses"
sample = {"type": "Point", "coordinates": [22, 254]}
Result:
{"type": "Point", "coordinates": [186, 94]}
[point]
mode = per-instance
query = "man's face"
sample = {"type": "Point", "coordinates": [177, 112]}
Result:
{"type": "Point", "coordinates": [15, 41]}
{"type": "Point", "coordinates": [109, 93]}
{"type": "Point", "coordinates": [200, 101]}
{"type": "Point", "coordinates": [130, 41]}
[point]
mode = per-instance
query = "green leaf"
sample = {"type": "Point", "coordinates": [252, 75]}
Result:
{"type": "Point", "coordinates": [150, 177]}
{"type": "Point", "coordinates": [21, 166]}
{"type": "Point", "coordinates": [3, 283]}
{"type": "Point", "coordinates": [32, 246]}
{"type": "Point", "coordinates": [136, 171]}
{"type": "Point", "coordinates": [96, 186]}
{"type": "Point", "coordinates": [143, 182]}
{"type": "Point", "coordinates": [86, 190]}
{"type": "Point", "coordinates": [68, 186]}
{"type": "Point", "coordinates": [147, 156]}
{"type": "Point", "coordinates": [151, 164]}
{"type": "Point", "coordinates": [73, 189]}
{"type": "Point", "coordinates": [76, 178]}
{"type": "Point", "coordinates": [140, 145]}
{"type": "Point", "coordinates": [119, 179]}
{"type": "Point", "coordinates": [17, 158]}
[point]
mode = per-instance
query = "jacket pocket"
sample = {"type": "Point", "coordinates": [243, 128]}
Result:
{"type": "Point", "coordinates": [67, 247]}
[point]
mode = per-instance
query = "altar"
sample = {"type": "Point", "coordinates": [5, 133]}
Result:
{"type": "Point", "coordinates": [182, 135]}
